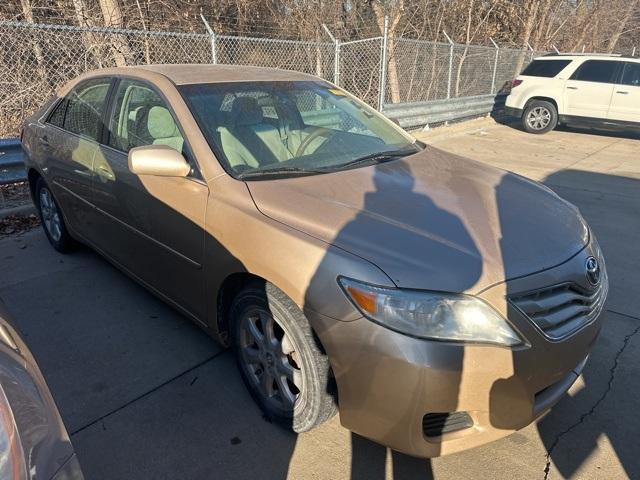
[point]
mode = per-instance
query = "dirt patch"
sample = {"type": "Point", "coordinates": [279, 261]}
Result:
{"type": "Point", "coordinates": [17, 224]}
{"type": "Point", "coordinates": [14, 195]}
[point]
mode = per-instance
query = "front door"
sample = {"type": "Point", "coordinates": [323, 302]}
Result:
{"type": "Point", "coordinates": [153, 226]}
{"type": "Point", "coordinates": [588, 91]}
{"type": "Point", "coordinates": [625, 104]}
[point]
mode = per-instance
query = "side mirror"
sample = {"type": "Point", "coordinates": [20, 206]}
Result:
{"type": "Point", "coordinates": [159, 160]}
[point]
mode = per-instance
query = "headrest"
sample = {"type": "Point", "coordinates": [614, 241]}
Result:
{"type": "Point", "coordinates": [245, 111]}
{"type": "Point", "coordinates": [160, 123]}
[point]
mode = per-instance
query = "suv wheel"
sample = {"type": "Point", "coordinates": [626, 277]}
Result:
{"type": "Point", "coordinates": [279, 358]}
{"type": "Point", "coordinates": [52, 219]}
{"type": "Point", "coordinates": [539, 117]}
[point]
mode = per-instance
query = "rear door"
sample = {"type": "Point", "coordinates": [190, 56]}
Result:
{"type": "Point", "coordinates": [151, 225]}
{"type": "Point", "coordinates": [70, 139]}
{"type": "Point", "coordinates": [589, 90]}
{"type": "Point", "coordinates": [625, 103]}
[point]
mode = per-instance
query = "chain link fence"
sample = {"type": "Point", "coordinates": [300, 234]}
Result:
{"type": "Point", "coordinates": [36, 59]}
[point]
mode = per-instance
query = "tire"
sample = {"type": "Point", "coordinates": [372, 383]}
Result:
{"type": "Point", "coordinates": [539, 117]}
{"type": "Point", "coordinates": [52, 219]}
{"type": "Point", "coordinates": [301, 399]}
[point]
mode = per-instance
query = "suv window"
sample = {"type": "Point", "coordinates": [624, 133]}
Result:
{"type": "Point", "coordinates": [631, 75]}
{"type": "Point", "coordinates": [602, 71]}
{"type": "Point", "coordinates": [545, 68]}
{"type": "Point", "coordinates": [85, 105]}
{"type": "Point", "coordinates": [141, 117]}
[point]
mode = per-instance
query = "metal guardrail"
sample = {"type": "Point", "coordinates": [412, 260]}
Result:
{"type": "Point", "coordinates": [420, 114]}
{"type": "Point", "coordinates": [11, 161]}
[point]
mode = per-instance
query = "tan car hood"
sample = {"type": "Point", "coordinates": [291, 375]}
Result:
{"type": "Point", "coordinates": [431, 221]}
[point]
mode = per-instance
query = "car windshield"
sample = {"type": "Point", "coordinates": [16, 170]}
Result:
{"type": "Point", "coordinates": [263, 129]}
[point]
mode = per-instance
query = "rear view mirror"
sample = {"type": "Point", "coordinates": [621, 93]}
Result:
{"type": "Point", "coordinates": [159, 160]}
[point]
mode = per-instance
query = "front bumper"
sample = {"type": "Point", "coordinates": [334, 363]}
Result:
{"type": "Point", "coordinates": [388, 382]}
{"type": "Point", "coordinates": [513, 112]}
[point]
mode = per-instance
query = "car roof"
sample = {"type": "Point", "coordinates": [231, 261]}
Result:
{"type": "Point", "coordinates": [184, 74]}
{"type": "Point", "coordinates": [587, 56]}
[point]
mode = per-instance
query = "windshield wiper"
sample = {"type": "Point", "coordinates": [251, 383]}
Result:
{"type": "Point", "coordinates": [278, 171]}
{"type": "Point", "coordinates": [376, 158]}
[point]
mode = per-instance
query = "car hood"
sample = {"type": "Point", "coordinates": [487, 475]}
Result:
{"type": "Point", "coordinates": [432, 221]}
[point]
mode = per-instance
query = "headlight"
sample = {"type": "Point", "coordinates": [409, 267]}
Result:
{"type": "Point", "coordinates": [431, 315]}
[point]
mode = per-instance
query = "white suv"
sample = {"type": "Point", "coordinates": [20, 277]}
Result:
{"type": "Point", "coordinates": [584, 90]}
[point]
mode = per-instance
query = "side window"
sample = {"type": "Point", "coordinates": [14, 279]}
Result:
{"type": "Point", "coordinates": [141, 117]}
{"type": "Point", "coordinates": [85, 105]}
{"type": "Point", "coordinates": [601, 71]}
{"type": "Point", "coordinates": [545, 68]}
{"type": "Point", "coordinates": [631, 75]}
{"type": "Point", "coordinates": [56, 117]}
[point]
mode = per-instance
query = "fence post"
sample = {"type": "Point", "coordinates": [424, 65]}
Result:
{"type": "Point", "coordinates": [633, 54]}
{"type": "Point", "coordinates": [495, 67]}
{"type": "Point", "coordinates": [336, 63]}
{"type": "Point", "coordinates": [383, 65]}
{"type": "Point", "coordinates": [450, 64]}
{"type": "Point", "coordinates": [336, 55]}
{"type": "Point", "coordinates": [212, 40]}
{"type": "Point", "coordinates": [532, 52]}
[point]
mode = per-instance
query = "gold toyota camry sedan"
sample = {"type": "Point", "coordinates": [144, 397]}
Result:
{"type": "Point", "coordinates": [435, 302]}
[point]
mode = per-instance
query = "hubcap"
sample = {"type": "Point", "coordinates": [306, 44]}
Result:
{"type": "Point", "coordinates": [270, 359]}
{"type": "Point", "coordinates": [539, 118]}
{"type": "Point", "coordinates": [50, 214]}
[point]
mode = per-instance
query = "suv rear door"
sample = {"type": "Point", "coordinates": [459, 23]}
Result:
{"type": "Point", "coordinates": [625, 103]}
{"type": "Point", "coordinates": [589, 90]}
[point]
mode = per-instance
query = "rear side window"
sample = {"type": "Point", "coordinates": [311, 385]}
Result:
{"type": "Point", "coordinates": [545, 68]}
{"type": "Point", "coordinates": [85, 105]}
{"type": "Point", "coordinates": [601, 71]}
{"type": "Point", "coordinates": [57, 115]}
{"type": "Point", "coordinates": [631, 75]}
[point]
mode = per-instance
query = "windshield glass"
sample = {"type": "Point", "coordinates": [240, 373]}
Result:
{"type": "Point", "coordinates": [262, 128]}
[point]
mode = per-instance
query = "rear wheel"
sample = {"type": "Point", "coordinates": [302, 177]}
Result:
{"type": "Point", "coordinates": [279, 358]}
{"type": "Point", "coordinates": [539, 117]}
{"type": "Point", "coordinates": [52, 219]}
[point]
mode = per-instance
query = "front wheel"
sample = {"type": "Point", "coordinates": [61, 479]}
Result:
{"type": "Point", "coordinates": [279, 358]}
{"type": "Point", "coordinates": [539, 117]}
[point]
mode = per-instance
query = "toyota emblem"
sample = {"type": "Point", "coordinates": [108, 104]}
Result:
{"type": "Point", "coordinates": [593, 271]}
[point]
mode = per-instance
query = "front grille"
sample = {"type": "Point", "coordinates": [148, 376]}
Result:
{"type": "Point", "coordinates": [435, 424]}
{"type": "Point", "coordinates": [563, 309]}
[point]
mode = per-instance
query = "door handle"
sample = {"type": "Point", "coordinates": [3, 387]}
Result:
{"type": "Point", "coordinates": [44, 139]}
{"type": "Point", "coordinates": [106, 172]}
{"type": "Point", "coordinates": [572, 88]}
{"type": "Point", "coordinates": [622, 92]}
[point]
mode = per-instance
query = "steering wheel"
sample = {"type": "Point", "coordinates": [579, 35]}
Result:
{"type": "Point", "coordinates": [318, 132]}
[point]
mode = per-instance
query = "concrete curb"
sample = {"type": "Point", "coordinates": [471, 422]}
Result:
{"type": "Point", "coordinates": [21, 210]}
